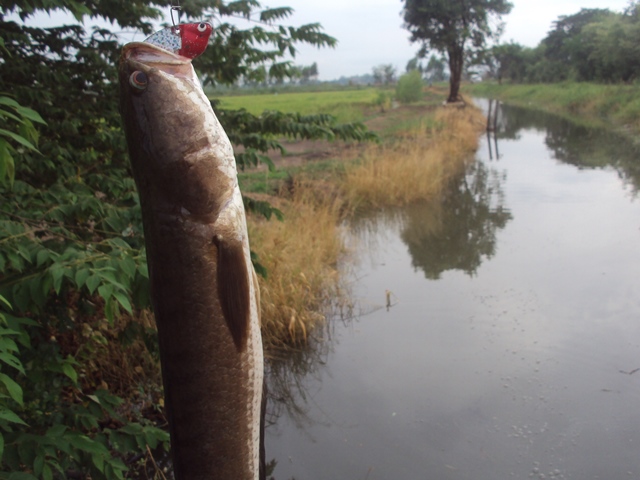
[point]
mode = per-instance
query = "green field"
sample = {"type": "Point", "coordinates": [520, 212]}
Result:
{"type": "Point", "coordinates": [346, 105]}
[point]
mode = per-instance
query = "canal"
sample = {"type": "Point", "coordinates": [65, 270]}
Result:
{"type": "Point", "coordinates": [495, 335]}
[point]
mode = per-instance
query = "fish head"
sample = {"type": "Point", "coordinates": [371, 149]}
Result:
{"type": "Point", "coordinates": [180, 155]}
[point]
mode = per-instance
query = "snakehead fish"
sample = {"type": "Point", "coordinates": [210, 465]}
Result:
{"type": "Point", "coordinates": [204, 289]}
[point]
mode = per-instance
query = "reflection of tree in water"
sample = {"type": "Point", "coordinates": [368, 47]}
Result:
{"type": "Point", "coordinates": [579, 145]}
{"type": "Point", "coordinates": [461, 231]}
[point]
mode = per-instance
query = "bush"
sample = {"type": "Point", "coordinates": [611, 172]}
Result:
{"type": "Point", "coordinates": [409, 88]}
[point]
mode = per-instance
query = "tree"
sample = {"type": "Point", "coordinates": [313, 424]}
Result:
{"type": "Point", "coordinates": [72, 260]}
{"type": "Point", "coordinates": [309, 73]}
{"type": "Point", "coordinates": [413, 64]}
{"type": "Point", "coordinates": [384, 74]}
{"type": "Point", "coordinates": [568, 47]}
{"type": "Point", "coordinates": [450, 27]}
{"type": "Point", "coordinates": [435, 69]}
{"type": "Point", "coordinates": [509, 60]}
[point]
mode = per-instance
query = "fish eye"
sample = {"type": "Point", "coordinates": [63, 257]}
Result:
{"type": "Point", "coordinates": [139, 80]}
{"type": "Point", "coordinates": [203, 27]}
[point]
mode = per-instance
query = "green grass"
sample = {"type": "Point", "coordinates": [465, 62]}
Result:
{"type": "Point", "coordinates": [617, 105]}
{"type": "Point", "coordinates": [346, 105]}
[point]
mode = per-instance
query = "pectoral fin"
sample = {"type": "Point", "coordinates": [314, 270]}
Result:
{"type": "Point", "coordinates": [233, 289]}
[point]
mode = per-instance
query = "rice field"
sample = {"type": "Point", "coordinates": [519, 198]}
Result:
{"type": "Point", "coordinates": [346, 105]}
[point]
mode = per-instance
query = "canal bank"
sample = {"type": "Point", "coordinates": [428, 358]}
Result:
{"type": "Point", "coordinates": [588, 104]}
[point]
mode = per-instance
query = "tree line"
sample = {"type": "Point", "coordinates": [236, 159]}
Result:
{"type": "Point", "coordinates": [593, 45]}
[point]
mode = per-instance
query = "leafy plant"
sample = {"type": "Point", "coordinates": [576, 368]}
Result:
{"type": "Point", "coordinates": [79, 340]}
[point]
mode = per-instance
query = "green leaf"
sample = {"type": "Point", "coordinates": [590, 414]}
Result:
{"type": "Point", "coordinates": [21, 476]}
{"type": "Point", "coordinates": [47, 474]}
{"type": "Point", "coordinates": [81, 277]}
{"type": "Point", "coordinates": [105, 291]}
{"type": "Point", "coordinates": [10, 416]}
{"type": "Point", "coordinates": [57, 274]}
{"type": "Point", "coordinates": [123, 300]}
{"type": "Point", "coordinates": [70, 372]}
{"type": "Point", "coordinates": [98, 461]}
{"type": "Point", "coordinates": [92, 283]}
{"type": "Point", "coordinates": [10, 102]}
{"type": "Point", "coordinates": [21, 140]}
{"type": "Point", "coordinates": [15, 390]}
{"type": "Point", "coordinates": [1, 446]}
{"type": "Point", "coordinates": [12, 361]}
{"type": "Point", "coordinates": [5, 302]}
{"type": "Point", "coordinates": [42, 256]}
{"type": "Point", "coordinates": [30, 114]}
{"type": "Point", "coordinates": [38, 463]}
{"type": "Point", "coordinates": [56, 431]}
{"type": "Point", "coordinates": [86, 444]}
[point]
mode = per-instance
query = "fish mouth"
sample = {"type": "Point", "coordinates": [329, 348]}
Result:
{"type": "Point", "coordinates": [146, 56]}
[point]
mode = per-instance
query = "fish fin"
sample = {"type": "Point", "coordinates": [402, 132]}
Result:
{"type": "Point", "coordinates": [233, 289]}
{"type": "Point", "coordinates": [256, 289]}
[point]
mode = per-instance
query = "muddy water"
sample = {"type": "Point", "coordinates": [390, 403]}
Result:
{"type": "Point", "coordinates": [511, 348]}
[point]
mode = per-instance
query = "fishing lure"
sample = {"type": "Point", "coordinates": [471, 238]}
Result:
{"type": "Point", "coordinates": [186, 39]}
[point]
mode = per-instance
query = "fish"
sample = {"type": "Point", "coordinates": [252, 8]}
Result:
{"type": "Point", "coordinates": [187, 39]}
{"type": "Point", "coordinates": [204, 290]}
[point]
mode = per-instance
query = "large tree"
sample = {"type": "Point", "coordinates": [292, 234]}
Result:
{"type": "Point", "coordinates": [451, 27]}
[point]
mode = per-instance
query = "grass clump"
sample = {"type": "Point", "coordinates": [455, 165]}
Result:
{"type": "Point", "coordinates": [418, 166]}
{"type": "Point", "coordinates": [301, 256]}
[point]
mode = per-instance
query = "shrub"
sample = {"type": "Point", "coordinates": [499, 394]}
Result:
{"type": "Point", "coordinates": [409, 88]}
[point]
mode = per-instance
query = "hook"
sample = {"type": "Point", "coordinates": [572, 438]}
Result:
{"type": "Point", "coordinates": [175, 7]}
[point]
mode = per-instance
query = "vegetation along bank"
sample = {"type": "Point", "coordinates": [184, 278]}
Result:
{"type": "Point", "coordinates": [607, 105]}
{"type": "Point", "coordinates": [317, 186]}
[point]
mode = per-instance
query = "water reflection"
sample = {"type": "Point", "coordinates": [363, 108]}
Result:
{"type": "Point", "coordinates": [580, 145]}
{"type": "Point", "coordinates": [461, 232]}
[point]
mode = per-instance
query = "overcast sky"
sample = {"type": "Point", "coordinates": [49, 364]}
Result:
{"type": "Point", "coordinates": [370, 32]}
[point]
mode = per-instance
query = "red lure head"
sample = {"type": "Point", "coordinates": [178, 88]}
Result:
{"type": "Point", "coordinates": [194, 38]}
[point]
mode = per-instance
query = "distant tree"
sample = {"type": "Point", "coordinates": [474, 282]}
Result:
{"type": "Point", "coordinates": [567, 46]}
{"type": "Point", "coordinates": [509, 61]}
{"type": "Point", "coordinates": [435, 69]}
{"type": "Point", "coordinates": [384, 74]}
{"type": "Point", "coordinates": [409, 88]}
{"type": "Point", "coordinates": [413, 64]}
{"type": "Point", "coordinates": [450, 27]}
{"type": "Point", "coordinates": [309, 73]}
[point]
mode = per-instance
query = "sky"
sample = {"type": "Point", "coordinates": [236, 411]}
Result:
{"type": "Point", "coordinates": [370, 33]}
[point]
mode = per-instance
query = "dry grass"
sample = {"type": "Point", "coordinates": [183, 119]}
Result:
{"type": "Point", "coordinates": [301, 255]}
{"type": "Point", "coordinates": [418, 166]}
